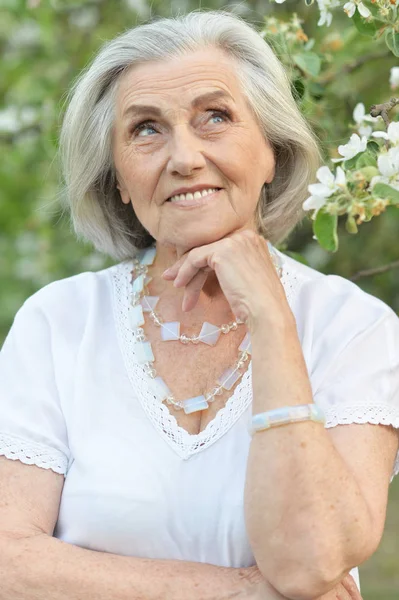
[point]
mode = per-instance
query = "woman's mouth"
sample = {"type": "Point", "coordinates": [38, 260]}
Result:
{"type": "Point", "coordinates": [188, 200]}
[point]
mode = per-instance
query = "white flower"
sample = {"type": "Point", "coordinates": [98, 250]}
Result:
{"type": "Point", "coordinates": [350, 8]}
{"type": "Point", "coordinates": [352, 148]}
{"type": "Point", "coordinates": [392, 134]}
{"type": "Point", "coordinates": [359, 116]}
{"type": "Point", "coordinates": [323, 190]}
{"type": "Point", "coordinates": [325, 16]}
{"type": "Point", "coordinates": [394, 78]}
{"type": "Point", "coordinates": [388, 165]}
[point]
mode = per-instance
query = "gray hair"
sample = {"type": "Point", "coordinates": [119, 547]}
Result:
{"type": "Point", "coordinates": [90, 193]}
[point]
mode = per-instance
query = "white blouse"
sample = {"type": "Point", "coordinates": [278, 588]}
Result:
{"type": "Point", "coordinates": [73, 399]}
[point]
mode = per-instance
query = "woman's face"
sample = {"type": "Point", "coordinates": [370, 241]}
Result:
{"type": "Point", "coordinates": [185, 123]}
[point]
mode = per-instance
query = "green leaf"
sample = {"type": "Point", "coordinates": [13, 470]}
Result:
{"type": "Point", "coordinates": [383, 190]}
{"type": "Point", "coordinates": [309, 62]}
{"type": "Point", "coordinates": [350, 224]}
{"type": "Point", "coordinates": [325, 230]}
{"type": "Point", "coordinates": [369, 172]}
{"type": "Point", "coordinates": [367, 159]}
{"type": "Point", "coordinates": [392, 40]}
{"type": "Point", "coordinates": [352, 162]}
{"type": "Point", "coordinates": [297, 256]}
{"type": "Point", "coordinates": [364, 27]}
{"type": "Point", "coordinates": [373, 147]}
{"type": "Point", "coordinates": [299, 88]}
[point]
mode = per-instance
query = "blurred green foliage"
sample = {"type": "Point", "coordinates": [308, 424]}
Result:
{"type": "Point", "coordinates": [44, 45]}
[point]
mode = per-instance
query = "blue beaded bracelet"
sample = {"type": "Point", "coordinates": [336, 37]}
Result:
{"type": "Point", "coordinates": [286, 414]}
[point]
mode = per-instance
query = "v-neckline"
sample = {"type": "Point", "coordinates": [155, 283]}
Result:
{"type": "Point", "coordinates": [181, 441]}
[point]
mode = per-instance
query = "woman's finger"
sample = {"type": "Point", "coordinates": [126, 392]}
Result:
{"type": "Point", "coordinates": [350, 586]}
{"type": "Point", "coordinates": [193, 290]}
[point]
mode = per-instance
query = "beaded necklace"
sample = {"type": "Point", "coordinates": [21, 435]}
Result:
{"type": "Point", "coordinates": [142, 303]}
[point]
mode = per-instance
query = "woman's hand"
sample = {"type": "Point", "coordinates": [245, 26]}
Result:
{"type": "Point", "coordinates": [245, 272]}
{"type": "Point", "coordinates": [260, 589]}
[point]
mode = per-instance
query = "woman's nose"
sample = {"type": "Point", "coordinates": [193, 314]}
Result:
{"type": "Point", "coordinates": [185, 152]}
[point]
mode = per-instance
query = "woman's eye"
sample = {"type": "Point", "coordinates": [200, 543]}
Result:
{"type": "Point", "coordinates": [142, 127]}
{"type": "Point", "coordinates": [223, 114]}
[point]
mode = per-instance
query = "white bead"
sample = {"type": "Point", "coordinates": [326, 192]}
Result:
{"type": "Point", "coordinates": [170, 330]}
{"type": "Point", "coordinates": [149, 302]}
{"type": "Point", "coordinates": [162, 388]}
{"type": "Point", "coordinates": [209, 334]}
{"type": "Point", "coordinates": [138, 283]}
{"type": "Point", "coordinates": [194, 404]}
{"type": "Point", "coordinates": [136, 316]}
{"type": "Point", "coordinates": [148, 256]}
{"type": "Point", "coordinates": [228, 378]}
{"type": "Point", "coordinates": [246, 343]}
{"type": "Point", "coordinates": [143, 351]}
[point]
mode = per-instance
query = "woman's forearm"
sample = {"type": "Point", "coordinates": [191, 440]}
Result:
{"type": "Point", "coordinates": [300, 497]}
{"type": "Point", "coordinates": [45, 568]}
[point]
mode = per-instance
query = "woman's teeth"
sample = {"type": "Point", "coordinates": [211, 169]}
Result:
{"type": "Point", "coordinates": [195, 196]}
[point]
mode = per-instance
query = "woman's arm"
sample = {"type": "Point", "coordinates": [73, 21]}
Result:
{"type": "Point", "coordinates": [303, 507]}
{"type": "Point", "coordinates": [45, 568]}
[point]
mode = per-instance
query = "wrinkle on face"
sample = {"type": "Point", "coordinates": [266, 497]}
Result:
{"type": "Point", "coordinates": [187, 147]}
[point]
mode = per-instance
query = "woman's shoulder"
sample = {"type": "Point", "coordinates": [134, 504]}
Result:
{"type": "Point", "coordinates": [73, 298]}
{"type": "Point", "coordinates": [326, 301]}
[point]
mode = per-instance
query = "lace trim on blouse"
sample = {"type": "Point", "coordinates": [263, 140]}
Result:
{"type": "Point", "coordinates": [375, 414]}
{"type": "Point", "coordinates": [32, 453]}
{"type": "Point", "coordinates": [179, 439]}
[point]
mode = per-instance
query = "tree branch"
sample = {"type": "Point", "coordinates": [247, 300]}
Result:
{"type": "Point", "coordinates": [375, 271]}
{"type": "Point", "coordinates": [352, 66]}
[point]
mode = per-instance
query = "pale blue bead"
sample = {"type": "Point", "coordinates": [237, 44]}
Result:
{"type": "Point", "coordinates": [229, 377]}
{"type": "Point", "coordinates": [149, 303]}
{"type": "Point", "coordinates": [211, 332]}
{"type": "Point", "coordinates": [136, 316]}
{"type": "Point", "coordinates": [143, 352]}
{"type": "Point", "coordinates": [260, 421]}
{"type": "Point", "coordinates": [317, 414]}
{"type": "Point", "coordinates": [246, 344]}
{"type": "Point", "coordinates": [170, 331]}
{"type": "Point", "coordinates": [195, 404]}
{"type": "Point", "coordinates": [138, 283]}
{"type": "Point", "coordinates": [280, 415]}
{"type": "Point", "coordinates": [148, 256]}
{"type": "Point", "coordinates": [161, 388]}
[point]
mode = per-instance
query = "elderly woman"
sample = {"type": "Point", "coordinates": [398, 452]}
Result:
{"type": "Point", "coordinates": [137, 403]}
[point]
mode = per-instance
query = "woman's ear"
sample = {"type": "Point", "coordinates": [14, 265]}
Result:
{"type": "Point", "coordinates": [122, 191]}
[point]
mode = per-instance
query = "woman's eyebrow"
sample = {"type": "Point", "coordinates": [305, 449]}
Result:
{"type": "Point", "coordinates": [138, 109]}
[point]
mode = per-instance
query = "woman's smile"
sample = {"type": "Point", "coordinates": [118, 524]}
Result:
{"type": "Point", "coordinates": [188, 202]}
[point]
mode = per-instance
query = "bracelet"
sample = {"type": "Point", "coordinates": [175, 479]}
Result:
{"type": "Point", "coordinates": [286, 414]}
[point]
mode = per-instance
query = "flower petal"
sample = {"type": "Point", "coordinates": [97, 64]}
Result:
{"type": "Point", "coordinates": [313, 202]}
{"type": "Point", "coordinates": [385, 165]}
{"type": "Point", "coordinates": [393, 132]}
{"type": "Point", "coordinates": [340, 177]}
{"type": "Point", "coordinates": [350, 8]}
{"type": "Point", "coordinates": [365, 130]}
{"type": "Point", "coordinates": [359, 112]}
{"type": "Point", "coordinates": [364, 11]}
{"type": "Point", "coordinates": [325, 176]}
{"type": "Point", "coordinates": [321, 190]}
{"type": "Point", "coordinates": [374, 180]}
{"type": "Point", "coordinates": [380, 134]}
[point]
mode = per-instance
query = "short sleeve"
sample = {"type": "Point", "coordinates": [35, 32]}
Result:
{"type": "Point", "coordinates": [355, 365]}
{"type": "Point", "coordinates": [32, 425]}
